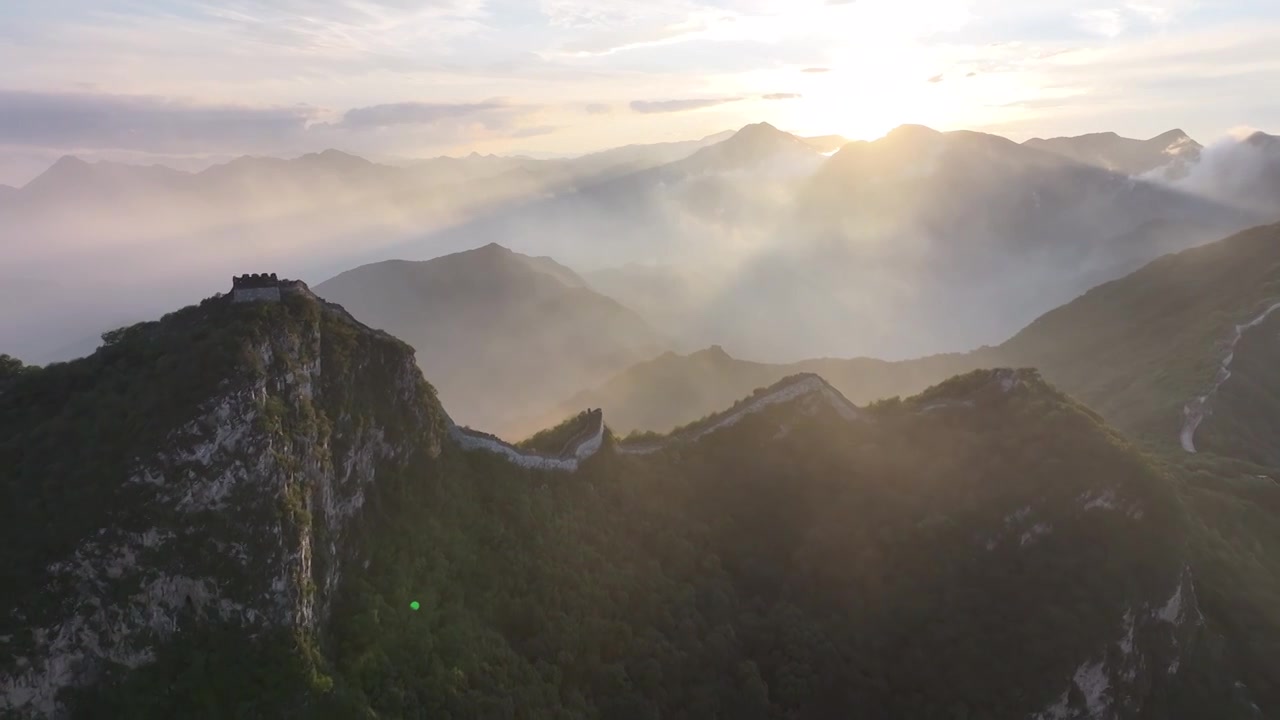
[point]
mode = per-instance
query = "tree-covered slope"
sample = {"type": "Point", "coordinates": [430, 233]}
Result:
{"type": "Point", "coordinates": [1140, 348]}
{"type": "Point", "coordinates": [1240, 417]}
{"type": "Point", "coordinates": [1137, 350]}
{"type": "Point", "coordinates": [256, 511]}
{"type": "Point", "coordinates": [500, 334]}
{"type": "Point", "coordinates": [200, 474]}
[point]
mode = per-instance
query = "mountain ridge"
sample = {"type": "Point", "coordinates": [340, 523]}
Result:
{"type": "Point", "coordinates": [1137, 349]}
{"type": "Point", "coordinates": [1027, 518]}
{"type": "Point", "coordinates": [486, 320]}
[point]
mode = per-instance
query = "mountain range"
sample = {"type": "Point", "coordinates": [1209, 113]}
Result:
{"type": "Point", "coordinates": [111, 229]}
{"type": "Point", "coordinates": [688, 234]}
{"type": "Point", "coordinates": [1141, 350]}
{"type": "Point", "coordinates": [269, 495]}
{"type": "Point", "coordinates": [295, 507]}
{"type": "Point", "coordinates": [1169, 154]}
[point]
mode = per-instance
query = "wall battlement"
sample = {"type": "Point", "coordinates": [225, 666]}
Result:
{"type": "Point", "coordinates": [263, 287]}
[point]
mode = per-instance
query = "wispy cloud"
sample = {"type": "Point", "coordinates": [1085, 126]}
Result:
{"type": "Point", "coordinates": [670, 106]}
{"type": "Point", "coordinates": [782, 96]}
{"type": "Point", "coordinates": [1108, 22]}
{"type": "Point", "coordinates": [85, 120]}
{"type": "Point", "coordinates": [491, 113]}
{"type": "Point", "coordinates": [160, 73]}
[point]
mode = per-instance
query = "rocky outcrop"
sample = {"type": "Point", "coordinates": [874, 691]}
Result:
{"type": "Point", "coordinates": [239, 517]}
{"type": "Point", "coordinates": [1148, 651]}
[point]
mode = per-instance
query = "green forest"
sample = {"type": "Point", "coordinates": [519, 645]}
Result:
{"type": "Point", "coordinates": [937, 558]}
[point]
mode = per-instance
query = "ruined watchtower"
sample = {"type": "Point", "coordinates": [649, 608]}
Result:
{"type": "Point", "coordinates": [257, 287]}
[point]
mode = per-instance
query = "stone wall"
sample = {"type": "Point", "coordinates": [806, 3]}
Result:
{"type": "Point", "coordinates": [264, 294]}
{"type": "Point", "coordinates": [581, 447]}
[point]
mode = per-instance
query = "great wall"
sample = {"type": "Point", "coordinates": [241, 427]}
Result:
{"type": "Point", "coordinates": [809, 388]}
{"type": "Point", "coordinates": [587, 442]}
{"type": "Point", "coordinates": [582, 445]}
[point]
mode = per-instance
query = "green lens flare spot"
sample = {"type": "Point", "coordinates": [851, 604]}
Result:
{"type": "Point", "coordinates": [414, 605]}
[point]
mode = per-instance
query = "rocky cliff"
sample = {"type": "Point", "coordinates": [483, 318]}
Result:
{"type": "Point", "coordinates": [238, 515]}
{"type": "Point", "coordinates": [275, 491]}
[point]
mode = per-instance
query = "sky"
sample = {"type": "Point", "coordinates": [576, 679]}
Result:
{"type": "Point", "coordinates": [188, 82]}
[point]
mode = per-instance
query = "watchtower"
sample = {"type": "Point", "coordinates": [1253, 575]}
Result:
{"type": "Point", "coordinates": [257, 287]}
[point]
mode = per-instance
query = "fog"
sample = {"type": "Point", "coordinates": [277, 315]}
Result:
{"type": "Point", "coordinates": [917, 243]}
{"type": "Point", "coordinates": [1242, 169]}
{"type": "Point", "coordinates": [90, 246]}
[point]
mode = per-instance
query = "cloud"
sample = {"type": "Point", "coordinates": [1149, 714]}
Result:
{"type": "Point", "coordinates": [139, 122]}
{"type": "Point", "coordinates": [816, 70]}
{"type": "Point", "coordinates": [782, 96]}
{"type": "Point", "coordinates": [490, 113]}
{"type": "Point", "coordinates": [1108, 22]}
{"type": "Point", "coordinates": [936, 79]}
{"type": "Point", "coordinates": [605, 27]}
{"type": "Point", "coordinates": [599, 109]}
{"type": "Point", "coordinates": [1116, 21]}
{"type": "Point", "coordinates": [1242, 169]}
{"type": "Point", "coordinates": [535, 131]}
{"type": "Point", "coordinates": [670, 106]}
{"type": "Point", "coordinates": [96, 125]}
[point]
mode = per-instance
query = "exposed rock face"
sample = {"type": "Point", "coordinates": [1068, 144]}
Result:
{"type": "Point", "coordinates": [1148, 651]}
{"type": "Point", "coordinates": [240, 516]}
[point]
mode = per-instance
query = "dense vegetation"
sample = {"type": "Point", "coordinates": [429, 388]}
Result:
{"type": "Point", "coordinates": [1235, 541]}
{"type": "Point", "coordinates": [70, 432]}
{"type": "Point", "coordinates": [936, 561]}
{"type": "Point", "coordinates": [555, 440]}
{"type": "Point", "coordinates": [748, 576]}
{"type": "Point", "coordinates": [1244, 413]}
{"type": "Point", "coordinates": [1136, 350]}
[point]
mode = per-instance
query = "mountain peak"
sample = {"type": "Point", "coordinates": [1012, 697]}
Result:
{"type": "Point", "coordinates": [910, 131]}
{"type": "Point", "coordinates": [336, 159]}
{"type": "Point", "coordinates": [69, 161]}
{"type": "Point", "coordinates": [760, 128]}
{"type": "Point", "coordinates": [1171, 136]}
{"type": "Point", "coordinates": [1261, 139]}
{"type": "Point", "coordinates": [67, 168]}
{"type": "Point", "coordinates": [715, 353]}
{"type": "Point", "coordinates": [760, 137]}
{"type": "Point", "coordinates": [492, 248]}
{"type": "Point", "coordinates": [752, 145]}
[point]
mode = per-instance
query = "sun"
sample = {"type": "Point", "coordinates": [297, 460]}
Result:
{"type": "Point", "coordinates": [880, 72]}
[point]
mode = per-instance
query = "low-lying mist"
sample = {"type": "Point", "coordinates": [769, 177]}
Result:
{"type": "Point", "coordinates": [920, 242]}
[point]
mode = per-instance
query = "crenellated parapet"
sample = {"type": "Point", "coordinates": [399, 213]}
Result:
{"type": "Point", "coordinates": [264, 287]}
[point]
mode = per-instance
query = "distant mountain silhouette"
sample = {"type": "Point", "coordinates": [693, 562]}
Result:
{"type": "Point", "coordinates": [1171, 152]}
{"type": "Point", "coordinates": [757, 146]}
{"type": "Point", "coordinates": [499, 332]}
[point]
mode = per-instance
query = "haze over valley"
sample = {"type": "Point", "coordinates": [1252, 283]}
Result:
{"type": "Point", "coordinates": [757, 241]}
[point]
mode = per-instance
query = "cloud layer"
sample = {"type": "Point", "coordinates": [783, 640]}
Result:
{"type": "Point", "coordinates": [124, 122]}
{"type": "Point", "coordinates": [413, 77]}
